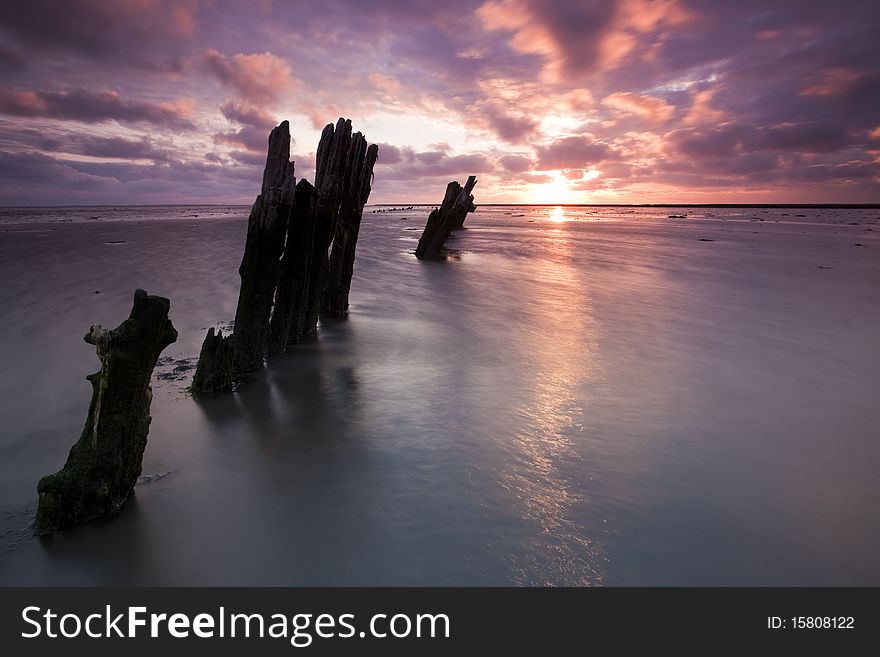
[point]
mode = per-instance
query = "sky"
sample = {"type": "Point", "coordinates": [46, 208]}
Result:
{"type": "Point", "coordinates": [546, 101]}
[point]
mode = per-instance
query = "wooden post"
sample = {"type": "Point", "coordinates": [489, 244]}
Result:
{"type": "Point", "coordinates": [329, 213]}
{"type": "Point", "coordinates": [362, 159]}
{"type": "Point", "coordinates": [267, 227]}
{"type": "Point", "coordinates": [104, 464]}
{"type": "Point", "coordinates": [214, 369]}
{"type": "Point", "coordinates": [451, 214]}
{"type": "Point", "coordinates": [301, 264]}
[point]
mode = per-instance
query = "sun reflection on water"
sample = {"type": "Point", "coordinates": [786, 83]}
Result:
{"type": "Point", "coordinates": [548, 498]}
{"type": "Point", "coordinates": [557, 214]}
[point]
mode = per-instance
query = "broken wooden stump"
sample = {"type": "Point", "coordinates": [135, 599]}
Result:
{"type": "Point", "coordinates": [327, 213]}
{"type": "Point", "coordinates": [301, 264]}
{"type": "Point", "coordinates": [286, 269]}
{"type": "Point", "coordinates": [354, 196]}
{"type": "Point", "coordinates": [214, 369]}
{"type": "Point", "coordinates": [469, 205]}
{"type": "Point", "coordinates": [304, 273]}
{"type": "Point", "coordinates": [332, 171]}
{"type": "Point", "coordinates": [267, 228]}
{"type": "Point", "coordinates": [105, 463]}
{"type": "Point", "coordinates": [223, 357]}
{"type": "Point", "coordinates": [451, 214]}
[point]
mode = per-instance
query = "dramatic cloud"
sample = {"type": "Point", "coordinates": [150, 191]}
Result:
{"type": "Point", "coordinates": [582, 101]}
{"type": "Point", "coordinates": [580, 37]}
{"type": "Point", "coordinates": [571, 153]}
{"type": "Point", "coordinates": [407, 164]}
{"type": "Point", "coordinates": [256, 126]}
{"type": "Point", "coordinates": [515, 163]}
{"type": "Point", "coordinates": [119, 31]}
{"type": "Point", "coordinates": [92, 107]}
{"type": "Point", "coordinates": [258, 79]}
{"type": "Point", "coordinates": [654, 110]}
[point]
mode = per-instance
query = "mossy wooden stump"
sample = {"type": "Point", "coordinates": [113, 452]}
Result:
{"type": "Point", "coordinates": [105, 463]}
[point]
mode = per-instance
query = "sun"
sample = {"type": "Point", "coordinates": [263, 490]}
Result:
{"type": "Point", "coordinates": [556, 190]}
{"type": "Point", "coordinates": [559, 190]}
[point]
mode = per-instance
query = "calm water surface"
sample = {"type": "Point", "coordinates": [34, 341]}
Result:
{"type": "Point", "coordinates": [579, 396]}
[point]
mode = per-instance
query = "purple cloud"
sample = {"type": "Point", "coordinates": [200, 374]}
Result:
{"type": "Point", "coordinates": [93, 107]}
{"type": "Point", "coordinates": [571, 153]}
{"type": "Point", "coordinates": [659, 97]}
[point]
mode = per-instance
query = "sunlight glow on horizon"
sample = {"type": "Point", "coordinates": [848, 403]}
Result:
{"type": "Point", "coordinates": [557, 214]}
{"type": "Point", "coordinates": [562, 190]}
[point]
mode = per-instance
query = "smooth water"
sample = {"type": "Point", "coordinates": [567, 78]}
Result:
{"type": "Point", "coordinates": [578, 396]}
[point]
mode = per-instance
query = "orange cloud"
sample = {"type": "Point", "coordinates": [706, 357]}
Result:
{"type": "Point", "coordinates": [611, 31]}
{"type": "Point", "coordinates": [830, 82]}
{"type": "Point", "coordinates": [259, 79]}
{"type": "Point", "coordinates": [702, 111]}
{"type": "Point", "coordinates": [655, 110]}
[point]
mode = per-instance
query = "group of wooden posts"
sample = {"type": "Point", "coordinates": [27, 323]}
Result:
{"type": "Point", "coordinates": [297, 266]}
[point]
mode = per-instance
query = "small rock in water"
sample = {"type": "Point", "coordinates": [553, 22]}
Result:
{"type": "Point", "coordinates": [704, 239]}
{"type": "Point", "coordinates": [97, 292]}
{"type": "Point", "coordinates": [859, 244]}
{"type": "Point", "coordinates": [150, 478]}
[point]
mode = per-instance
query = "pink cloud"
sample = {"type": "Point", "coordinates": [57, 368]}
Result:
{"type": "Point", "coordinates": [654, 110]}
{"type": "Point", "coordinates": [258, 79]}
{"type": "Point", "coordinates": [830, 82]}
{"type": "Point", "coordinates": [96, 106]}
{"type": "Point", "coordinates": [571, 153]}
{"type": "Point", "coordinates": [584, 36]}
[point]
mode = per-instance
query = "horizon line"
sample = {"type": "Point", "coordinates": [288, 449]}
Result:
{"type": "Point", "coordinates": [408, 204]}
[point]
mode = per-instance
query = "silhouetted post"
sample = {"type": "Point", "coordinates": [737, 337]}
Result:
{"type": "Point", "coordinates": [359, 178]}
{"type": "Point", "coordinates": [457, 202]}
{"type": "Point", "coordinates": [105, 463]}
{"type": "Point", "coordinates": [301, 264]}
{"type": "Point", "coordinates": [328, 213]}
{"type": "Point", "coordinates": [214, 369]}
{"type": "Point", "coordinates": [267, 228]}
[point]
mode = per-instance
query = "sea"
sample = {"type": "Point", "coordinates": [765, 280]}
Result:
{"type": "Point", "coordinates": [573, 396]}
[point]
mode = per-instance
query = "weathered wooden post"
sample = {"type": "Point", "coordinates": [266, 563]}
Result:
{"type": "Point", "coordinates": [357, 187]}
{"type": "Point", "coordinates": [301, 264]}
{"type": "Point", "coordinates": [243, 351]}
{"type": "Point", "coordinates": [286, 272]}
{"type": "Point", "coordinates": [328, 213]}
{"type": "Point", "coordinates": [451, 214]}
{"type": "Point", "coordinates": [105, 463]}
{"type": "Point", "coordinates": [267, 228]}
{"type": "Point", "coordinates": [214, 369]}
